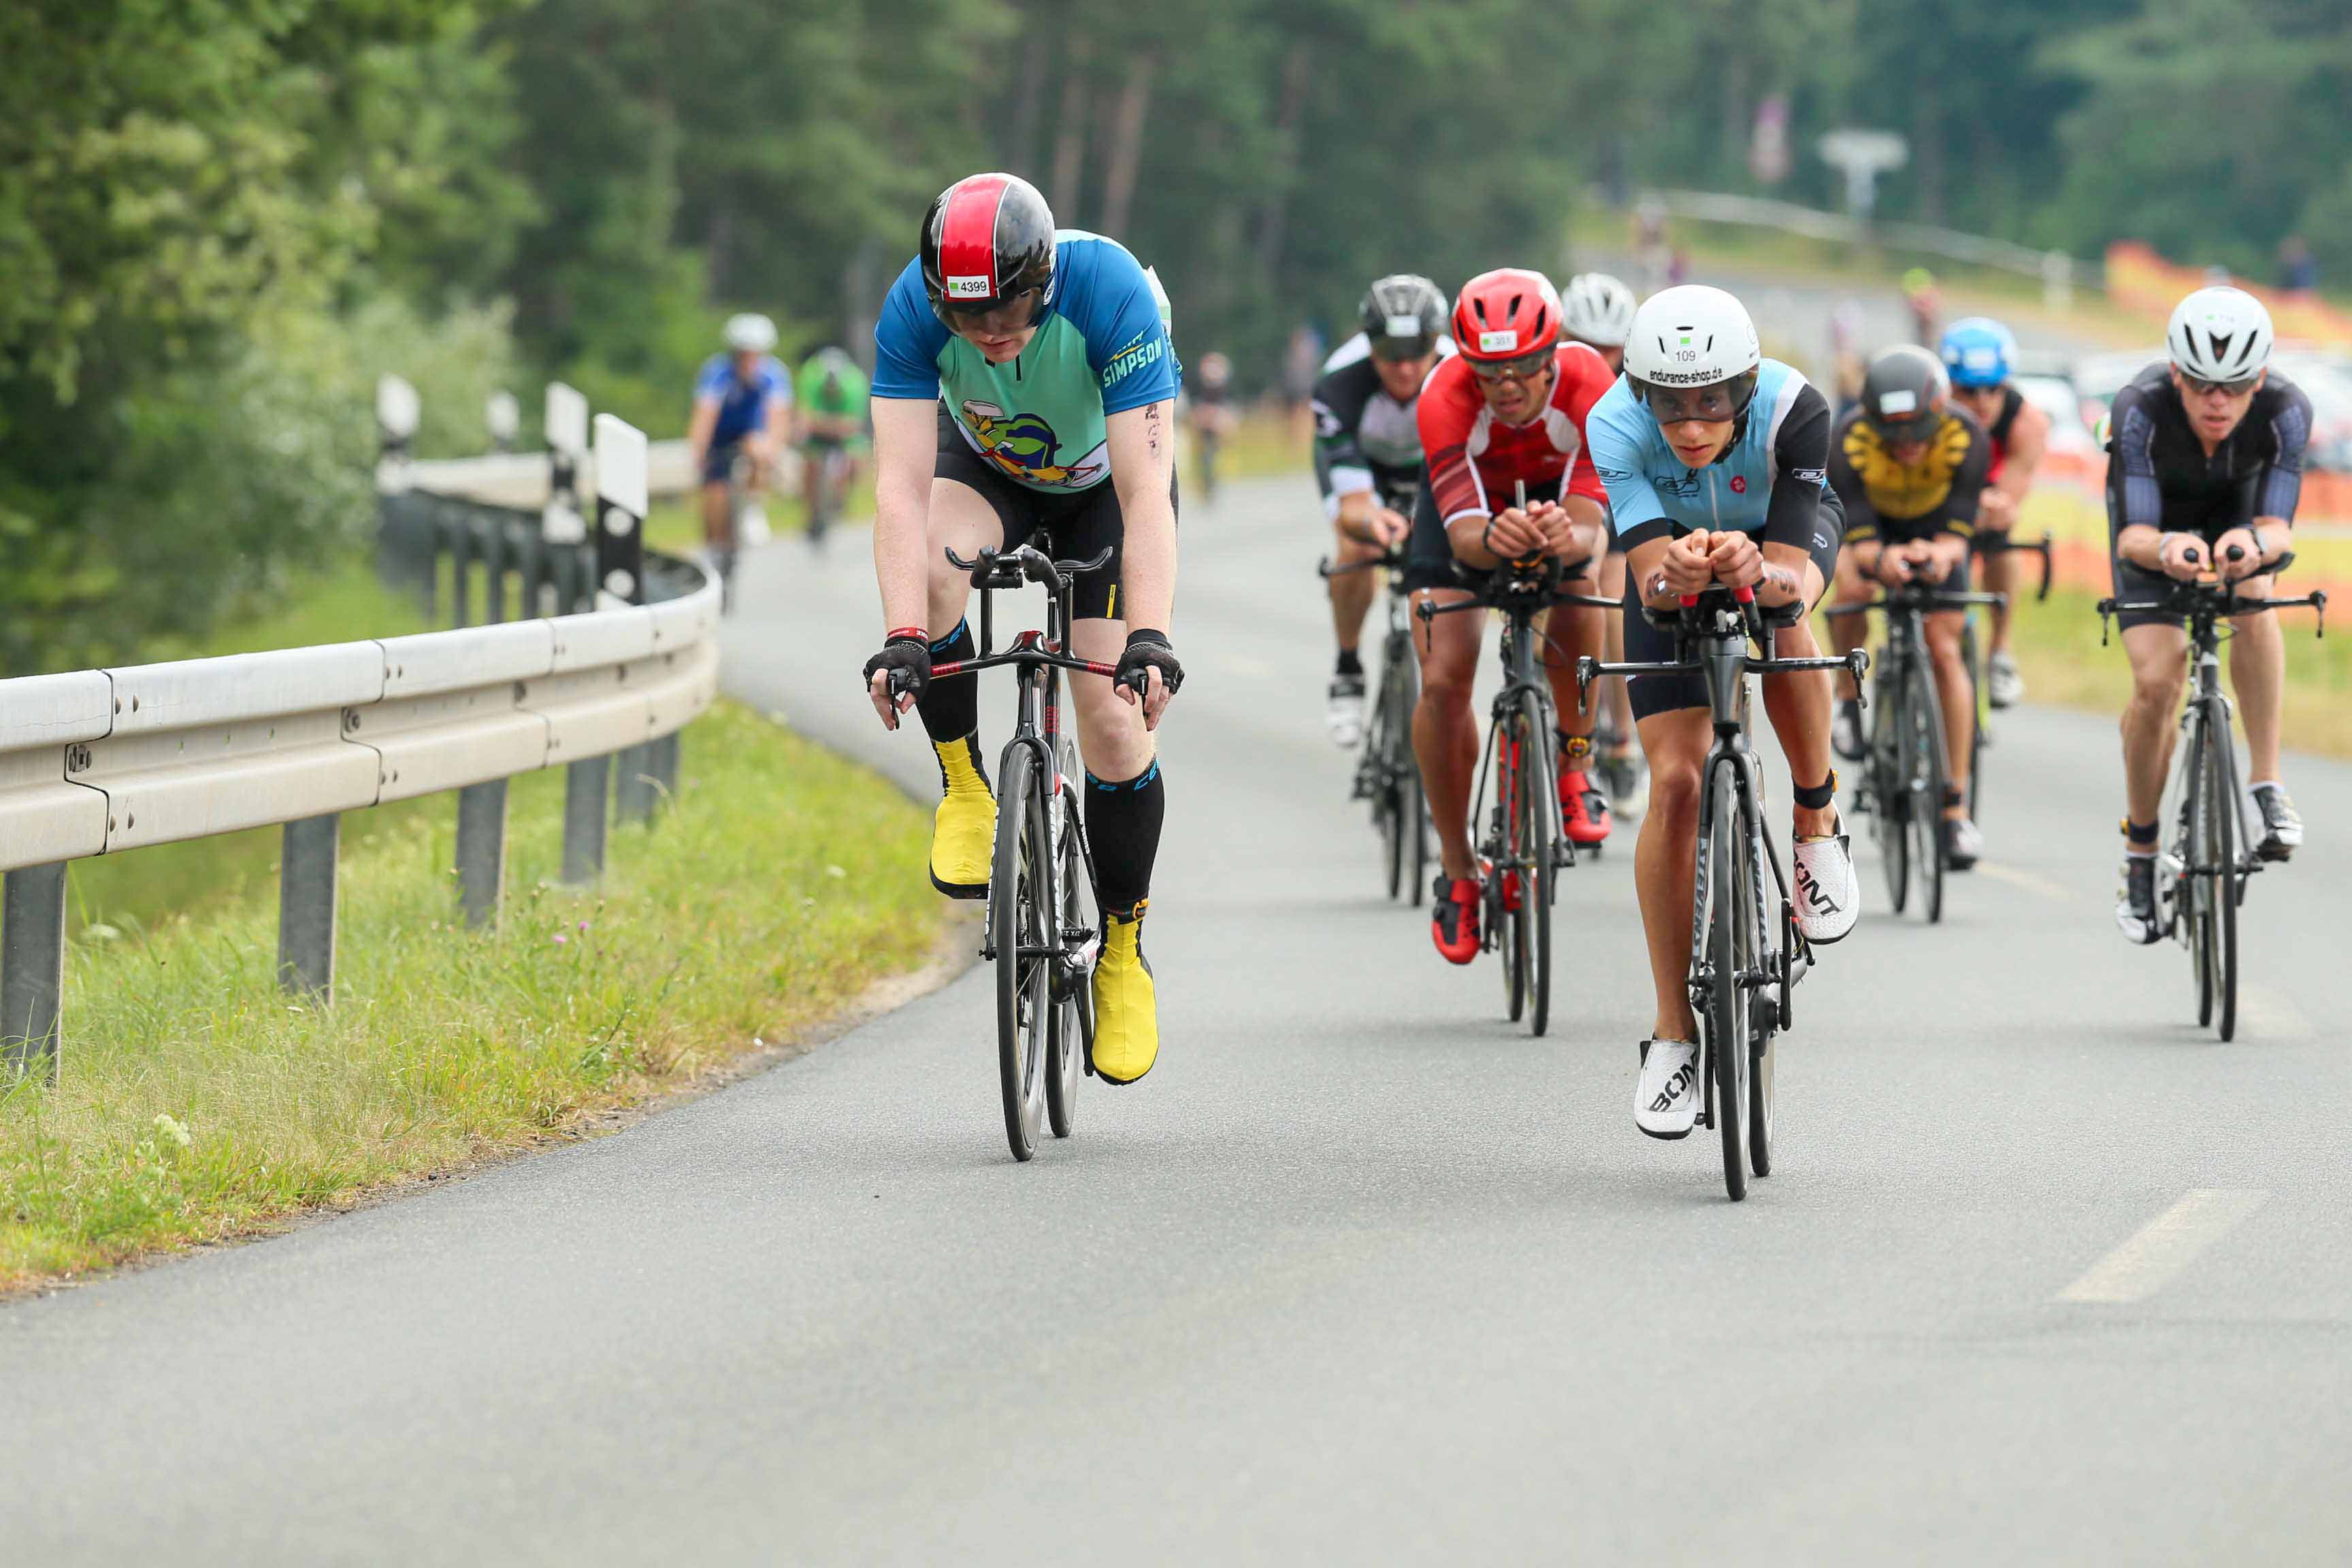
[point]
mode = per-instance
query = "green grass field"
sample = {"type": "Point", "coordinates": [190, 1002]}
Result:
{"type": "Point", "coordinates": [199, 1101]}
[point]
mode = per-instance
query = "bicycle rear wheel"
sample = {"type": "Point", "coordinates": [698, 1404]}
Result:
{"type": "Point", "coordinates": [1924, 757]}
{"type": "Point", "coordinates": [1071, 1031]}
{"type": "Point", "coordinates": [2219, 800]}
{"type": "Point", "coordinates": [1018, 906]}
{"type": "Point", "coordinates": [1397, 795]}
{"type": "Point", "coordinates": [1538, 839]}
{"type": "Point", "coordinates": [1763, 1023]}
{"type": "Point", "coordinates": [1509, 896]}
{"type": "Point", "coordinates": [1971, 654]}
{"type": "Point", "coordinates": [1724, 1020]}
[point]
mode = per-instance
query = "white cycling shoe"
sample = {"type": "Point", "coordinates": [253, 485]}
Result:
{"type": "Point", "coordinates": [1828, 895]}
{"type": "Point", "coordinates": [2004, 686]}
{"type": "Point", "coordinates": [1666, 1099]}
{"type": "Point", "coordinates": [1344, 715]}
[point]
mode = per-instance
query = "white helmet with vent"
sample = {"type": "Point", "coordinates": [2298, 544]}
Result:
{"type": "Point", "coordinates": [1597, 309]}
{"type": "Point", "coordinates": [2220, 334]}
{"type": "Point", "coordinates": [1691, 335]}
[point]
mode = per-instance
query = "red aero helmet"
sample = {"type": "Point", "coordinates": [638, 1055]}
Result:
{"type": "Point", "coordinates": [988, 240]}
{"type": "Point", "coordinates": [1506, 314]}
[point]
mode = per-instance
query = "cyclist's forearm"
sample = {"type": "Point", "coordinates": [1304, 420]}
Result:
{"type": "Point", "coordinates": [2137, 543]}
{"type": "Point", "coordinates": [901, 505]}
{"type": "Point", "coordinates": [1142, 448]}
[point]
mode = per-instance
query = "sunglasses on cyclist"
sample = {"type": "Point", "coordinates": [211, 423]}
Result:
{"type": "Point", "coordinates": [1718, 404]}
{"type": "Point", "coordinates": [1525, 368]}
{"type": "Point", "coordinates": [1396, 351]}
{"type": "Point", "coordinates": [991, 318]}
{"type": "Point", "coordinates": [2207, 388]}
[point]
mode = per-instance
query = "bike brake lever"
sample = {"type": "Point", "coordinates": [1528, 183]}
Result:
{"type": "Point", "coordinates": [1588, 671]}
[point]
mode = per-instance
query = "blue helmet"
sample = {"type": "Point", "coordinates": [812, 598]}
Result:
{"type": "Point", "coordinates": [1979, 351]}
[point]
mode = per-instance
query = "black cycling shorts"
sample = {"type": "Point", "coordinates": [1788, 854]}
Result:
{"type": "Point", "coordinates": [1647, 644]}
{"type": "Point", "coordinates": [1429, 553]}
{"type": "Point", "coordinates": [719, 462]}
{"type": "Point", "coordinates": [1077, 524]}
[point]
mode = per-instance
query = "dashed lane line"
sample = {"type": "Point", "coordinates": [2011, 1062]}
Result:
{"type": "Point", "coordinates": [2165, 1246]}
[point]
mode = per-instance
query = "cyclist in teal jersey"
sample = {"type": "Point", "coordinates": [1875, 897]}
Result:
{"type": "Point", "coordinates": [1024, 381]}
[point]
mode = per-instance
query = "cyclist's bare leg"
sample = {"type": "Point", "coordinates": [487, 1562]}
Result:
{"type": "Point", "coordinates": [1571, 632]}
{"type": "Point", "coordinates": [961, 520]}
{"type": "Point", "coordinates": [2258, 677]}
{"type": "Point", "coordinates": [1444, 734]}
{"type": "Point", "coordinates": [1665, 855]}
{"type": "Point", "coordinates": [1111, 737]}
{"type": "Point", "coordinates": [1612, 688]}
{"type": "Point", "coordinates": [2159, 656]}
{"type": "Point", "coordinates": [1958, 694]}
{"type": "Point", "coordinates": [1799, 703]}
{"type": "Point", "coordinates": [812, 480]}
{"type": "Point", "coordinates": [1846, 632]}
{"type": "Point", "coordinates": [717, 517]}
{"type": "Point", "coordinates": [1351, 597]}
{"type": "Point", "coordinates": [2001, 576]}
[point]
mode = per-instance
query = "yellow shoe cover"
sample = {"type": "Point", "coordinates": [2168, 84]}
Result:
{"type": "Point", "coordinates": [963, 830]}
{"type": "Point", "coordinates": [1127, 1008]}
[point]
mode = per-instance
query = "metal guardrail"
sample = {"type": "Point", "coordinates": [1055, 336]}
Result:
{"type": "Point", "coordinates": [2059, 273]}
{"type": "Point", "coordinates": [99, 760]}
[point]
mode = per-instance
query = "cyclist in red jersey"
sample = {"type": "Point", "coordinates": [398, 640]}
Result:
{"type": "Point", "coordinates": [1507, 410]}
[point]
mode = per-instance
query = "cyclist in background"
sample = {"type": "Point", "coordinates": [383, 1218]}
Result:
{"type": "Point", "coordinates": [1368, 459]}
{"type": "Point", "coordinates": [1024, 383]}
{"type": "Point", "coordinates": [1926, 303]}
{"type": "Point", "coordinates": [1979, 355]}
{"type": "Point", "coordinates": [1507, 410]}
{"type": "Point", "coordinates": [1209, 412]}
{"type": "Point", "coordinates": [2205, 456]}
{"type": "Point", "coordinates": [1597, 310]}
{"type": "Point", "coordinates": [1714, 458]}
{"type": "Point", "coordinates": [831, 397]}
{"type": "Point", "coordinates": [1909, 467]}
{"type": "Point", "coordinates": [743, 406]}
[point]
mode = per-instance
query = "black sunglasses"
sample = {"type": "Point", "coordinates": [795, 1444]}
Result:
{"type": "Point", "coordinates": [2233, 388]}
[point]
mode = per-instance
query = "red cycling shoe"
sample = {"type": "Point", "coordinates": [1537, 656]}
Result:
{"type": "Point", "coordinates": [1454, 917]}
{"type": "Point", "coordinates": [1583, 810]}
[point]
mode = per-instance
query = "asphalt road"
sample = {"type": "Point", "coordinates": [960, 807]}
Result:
{"type": "Point", "coordinates": [1358, 1273]}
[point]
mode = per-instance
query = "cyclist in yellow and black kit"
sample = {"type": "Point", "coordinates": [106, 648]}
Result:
{"type": "Point", "coordinates": [1911, 467]}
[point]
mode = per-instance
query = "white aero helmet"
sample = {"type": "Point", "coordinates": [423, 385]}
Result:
{"type": "Point", "coordinates": [1596, 309]}
{"type": "Point", "coordinates": [2220, 334]}
{"type": "Point", "coordinates": [1691, 335]}
{"type": "Point", "coordinates": [750, 333]}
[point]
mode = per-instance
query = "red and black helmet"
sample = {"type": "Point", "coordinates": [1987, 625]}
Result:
{"type": "Point", "coordinates": [1508, 313]}
{"type": "Point", "coordinates": [986, 241]}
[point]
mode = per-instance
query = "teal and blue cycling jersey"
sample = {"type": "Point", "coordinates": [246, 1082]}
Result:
{"type": "Point", "coordinates": [1101, 349]}
{"type": "Point", "coordinates": [1768, 482]}
{"type": "Point", "coordinates": [742, 404]}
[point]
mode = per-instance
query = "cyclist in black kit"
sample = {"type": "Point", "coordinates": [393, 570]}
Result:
{"type": "Point", "coordinates": [2205, 459]}
{"type": "Point", "coordinates": [1367, 458]}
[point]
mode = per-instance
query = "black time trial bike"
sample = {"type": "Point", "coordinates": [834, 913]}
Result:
{"type": "Point", "coordinates": [1388, 775]}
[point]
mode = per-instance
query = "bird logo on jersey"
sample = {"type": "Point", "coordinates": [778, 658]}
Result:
{"type": "Point", "coordinates": [1024, 447]}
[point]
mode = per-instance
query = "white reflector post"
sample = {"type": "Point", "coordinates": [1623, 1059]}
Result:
{"type": "Point", "coordinates": [504, 417]}
{"type": "Point", "coordinates": [396, 408]}
{"type": "Point", "coordinates": [566, 420]}
{"type": "Point", "coordinates": [621, 465]}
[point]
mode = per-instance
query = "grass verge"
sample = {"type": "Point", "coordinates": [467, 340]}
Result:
{"type": "Point", "coordinates": [199, 1102]}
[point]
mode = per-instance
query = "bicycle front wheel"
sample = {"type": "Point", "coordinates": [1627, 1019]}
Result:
{"type": "Point", "coordinates": [1924, 757]}
{"type": "Point", "coordinates": [1761, 956]}
{"type": "Point", "coordinates": [1509, 896]}
{"type": "Point", "coordinates": [1019, 902]}
{"type": "Point", "coordinates": [2219, 801]}
{"type": "Point", "coordinates": [1973, 656]}
{"type": "Point", "coordinates": [1539, 841]}
{"type": "Point", "coordinates": [1071, 1030]}
{"type": "Point", "coordinates": [1890, 801]}
{"type": "Point", "coordinates": [1725, 1023]}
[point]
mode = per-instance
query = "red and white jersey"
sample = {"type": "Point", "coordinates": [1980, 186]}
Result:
{"type": "Point", "coordinates": [1475, 460]}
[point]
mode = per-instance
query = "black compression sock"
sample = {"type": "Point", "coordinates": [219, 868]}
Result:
{"type": "Point", "coordinates": [950, 708]}
{"type": "Point", "coordinates": [1350, 663]}
{"type": "Point", "coordinates": [1123, 822]}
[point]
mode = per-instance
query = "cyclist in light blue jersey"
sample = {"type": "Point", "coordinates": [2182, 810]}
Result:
{"type": "Point", "coordinates": [1714, 459]}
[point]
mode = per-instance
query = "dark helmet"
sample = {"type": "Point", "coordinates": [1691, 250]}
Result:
{"type": "Point", "coordinates": [1903, 395]}
{"type": "Point", "coordinates": [987, 240]}
{"type": "Point", "coordinates": [1402, 314]}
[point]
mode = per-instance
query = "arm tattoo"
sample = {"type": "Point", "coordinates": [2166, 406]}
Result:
{"type": "Point", "coordinates": [1151, 426]}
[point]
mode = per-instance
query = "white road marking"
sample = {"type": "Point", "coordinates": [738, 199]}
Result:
{"type": "Point", "coordinates": [2032, 881]}
{"type": "Point", "coordinates": [2165, 1246]}
{"type": "Point", "coordinates": [2271, 1015]}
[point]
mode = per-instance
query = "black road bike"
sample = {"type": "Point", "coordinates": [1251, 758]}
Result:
{"type": "Point", "coordinates": [1907, 767]}
{"type": "Point", "coordinates": [1525, 846]}
{"type": "Point", "coordinates": [1388, 775]}
{"type": "Point", "coordinates": [2201, 875]}
{"type": "Point", "coordinates": [1043, 928]}
{"type": "Point", "coordinates": [1972, 651]}
{"type": "Point", "coordinates": [1746, 957]}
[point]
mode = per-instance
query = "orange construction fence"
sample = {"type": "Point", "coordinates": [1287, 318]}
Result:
{"type": "Point", "coordinates": [2140, 279]}
{"type": "Point", "coordinates": [2082, 563]}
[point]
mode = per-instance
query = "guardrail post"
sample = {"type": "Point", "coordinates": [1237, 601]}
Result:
{"type": "Point", "coordinates": [33, 969]}
{"type": "Point", "coordinates": [665, 768]}
{"type": "Point", "coordinates": [481, 850]}
{"type": "Point", "coordinates": [633, 792]}
{"type": "Point", "coordinates": [306, 905]}
{"type": "Point", "coordinates": [584, 820]}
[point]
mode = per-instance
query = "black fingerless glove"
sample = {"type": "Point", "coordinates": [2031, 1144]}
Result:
{"type": "Point", "coordinates": [908, 659]}
{"type": "Point", "coordinates": [1149, 650]}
